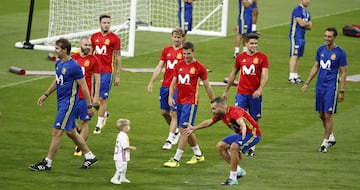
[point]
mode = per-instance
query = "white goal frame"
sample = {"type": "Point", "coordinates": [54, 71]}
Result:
{"type": "Point", "coordinates": [141, 18]}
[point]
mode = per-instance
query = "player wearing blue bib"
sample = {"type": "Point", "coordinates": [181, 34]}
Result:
{"type": "Point", "coordinates": [300, 22]}
{"type": "Point", "coordinates": [331, 66]}
{"type": "Point", "coordinates": [69, 77]}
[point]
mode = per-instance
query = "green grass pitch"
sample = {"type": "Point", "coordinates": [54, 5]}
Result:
{"type": "Point", "coordinates": [286, 158]}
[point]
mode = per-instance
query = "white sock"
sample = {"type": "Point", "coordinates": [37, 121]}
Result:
{"type": "Point", "coordinates": [245, 49]}
{"type": "Point", "coordinates": [332, 137]}
{"type": "Point", "coordinates": [238, 169]}
{"type": "Point", "coordinates": [292, 75]}
{"type": "Point", "coordinates": [89, 155]}
{"type": "Point", "coordinates": [49, 162]}
{"type": "Point", "coordinates": [196, 150]}
{"type": "Point", "coordinates": [178, 154]}
{"type": "Point", "coordinates": [100, 121]}
{"type": "Point", "coordinates": [171, 137]}
{"type": "Point", "coordinates": [325, 143]}
{"type": "Point", "coordinates": [253, 27]}
{"type": "Point", "coordinates": [233, 175]}
{"type": "Point", "coordinates": [237, 50]}
{"type": "Point", "coordinates": [177, 130]}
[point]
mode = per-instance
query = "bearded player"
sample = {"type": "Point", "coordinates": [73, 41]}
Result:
{"type": "Point", "coordinates": [91, 67]}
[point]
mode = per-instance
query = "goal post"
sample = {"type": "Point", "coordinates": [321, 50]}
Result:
{"type": "Point", "coordinates": [73, 19]}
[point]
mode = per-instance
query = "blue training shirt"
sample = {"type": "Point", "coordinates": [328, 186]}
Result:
{"type": "Point", "coordinates": [329, 63]}
{"type": "Point", "coordinates": [296, 31]}
{"type": "Point", "coordinates": [66, 75]}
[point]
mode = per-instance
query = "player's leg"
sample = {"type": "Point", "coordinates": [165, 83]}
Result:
{"type": "Point", "coordinates": [234, 164]}
{"type": "Point", "coordinates": [169, 115]}
{"type": "Point", "coordinates": [90, 158]}
{"type": "Point", "coordinates": [116, 178]}
{"type": "Point", "coordinates": [61, 121]}
{"type": "Point", "coordinates": [123, 170]}
{"type": "Point", "coordinates": [254, 17]}
{"type": "Point", "coordinates": [239, 36]}
{"type": "Point", "coordinates": [255, 108]}
{"type": "Point", "coordinates": [326, 105]}
{"type": "Point", "coordinates": [174, 162]}
{"type": "Point", "coordinates": [105, 86]}
{"type": "Point", "coordinates": [296, 51]}
{"type": "Point", "coordinates": [189, 115]}
{"type": "Point", "coordinates": [81, 112]}
{"type": "Point", "coordinates": [188, 17]}
{"type": "Point", "coordinates": [224, 145]}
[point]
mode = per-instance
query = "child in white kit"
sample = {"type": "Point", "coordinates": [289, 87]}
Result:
{"type": "Point", "coordinates": [122, 152]}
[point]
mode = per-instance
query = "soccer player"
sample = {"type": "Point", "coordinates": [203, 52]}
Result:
{"type": "Point", "coordinates": [246, 134]}
{"type": "Point", "coordinates": [122, 152]}
{"type": "Point", "coordinates": [244, 24]}
{"type": "Point", "coordinates": [185, 14]}
{"type": "Point", "coordinates": [69, 77]}
{"type": "Point", "coordinates": [106, 47]}
{"type": "Point", "coordinates": [254, 67]}
{"type": "Point", "coordinates": [90, 66]}
{"type": "Point", "coordinates": [170, 56]}
{"type": "Point", "coordinates": [186, 79]}
{"type": "Point", "coordinates": [300, 22]}
{"type": "Point", "coordinates": [331, 66]}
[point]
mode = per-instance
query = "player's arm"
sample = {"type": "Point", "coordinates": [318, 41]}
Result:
{"type": "Point", "coordinates": [242, 125]}
{"type": "Point", "coordinates": [343, 70]}
{"type": "Point", "coordinates": [96, 100]}
{"type": "Point", "coordinates": [47, 93]}
{"type": "Point", "coordinates": [117, 60]}
{"type": "Point", "coordinates": [82, 83]}
{"type": "Point", "coordinates": [208, 89]}
{"type": "Point", "coordinates": [231, 81]}
{"type": "Point", "coordinates": [206, 123]}
{"type": "Point", "coordinates": [130, 148]}
{"type": "Point", "coordinates": [307, 25]}
{"type": "Point", "coordinates": [155, 75]}
{"type": "Point", "coordinates": [311, 76]}
{"type": "Point", "coordinates": [171, 101]}
{"type": "Point", "coordinates": [264, 79]}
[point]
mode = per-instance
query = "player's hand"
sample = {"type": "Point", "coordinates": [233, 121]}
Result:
{"type": "Point", "coordinates": [96, 102]}
{"type": "Point", "coordinates": [341, 97]}
{"type": "Point", "coordinates": [41, 100]}
{"type": "Point", "coordinates": [91, 112]}
{"type": "Point", "coordinates": [304, 88]}
{"type": "Point", "coordinates": [171, 102]}
{"type": "Point", "coordinates": [150, 88]}
{"type": "Point", "coordinates": [257, 94]}
{"type": "Point", "coordinates": [225, 94]}
{"type": "Point", "coordinates": [117, 80]}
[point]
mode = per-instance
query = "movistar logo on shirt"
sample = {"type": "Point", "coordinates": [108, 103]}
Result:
{"type": "Point", "coordinates": [325, 65]}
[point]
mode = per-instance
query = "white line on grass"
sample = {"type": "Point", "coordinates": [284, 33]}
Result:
{"type": "Point", "coordinates": [22, 82]}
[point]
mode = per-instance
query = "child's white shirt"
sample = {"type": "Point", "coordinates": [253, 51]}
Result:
{"type": "Point", "coordinates": [121, 152]}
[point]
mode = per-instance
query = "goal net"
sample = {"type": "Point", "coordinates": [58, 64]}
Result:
{"type": "Point", "coordinates": [73, 19]}
{"type": "Point", "coordinates": [209, 16]}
